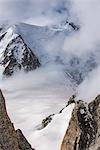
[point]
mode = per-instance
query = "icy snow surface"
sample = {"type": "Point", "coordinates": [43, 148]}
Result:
{"type": "Point", "coordinates": [50, 138]}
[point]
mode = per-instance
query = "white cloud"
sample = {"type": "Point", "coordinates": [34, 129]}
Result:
{"type": "Point", "coordinates": [90, 88]}
{"type": "Point", "coordinates": [33, 10]}
{"type": "Point", "coordinates": [87, 12]}
{"type": "Point", "coordinates": [86, 41]}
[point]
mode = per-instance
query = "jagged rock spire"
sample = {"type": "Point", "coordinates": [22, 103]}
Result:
{"type": "Point", "coordinates": [22, 141]}
{"type": "Point", "coordinates": [9, 138]}
{"type": "Point", "coordinates": [83, 132]}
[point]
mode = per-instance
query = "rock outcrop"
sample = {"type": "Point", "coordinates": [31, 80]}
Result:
{"type": "Point", "coordinates": [22, 141]}
{"type": "Point", "coordinates": [83, 132]}
{"type": "Point", "coordinates": [18, 56]}
{"type": "Point", "coordinates": [9, 138]}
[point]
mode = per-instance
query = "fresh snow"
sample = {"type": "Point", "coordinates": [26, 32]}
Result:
{"type": "Point", "coordinates": [8, 38]}
{"type": "Point", "coordinates": [50, 138]}
{"type": "Point", "coordinates": [44, 41]}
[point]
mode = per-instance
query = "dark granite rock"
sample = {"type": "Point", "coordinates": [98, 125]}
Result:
{"type": "Point", "coordinates": [22, 141]}
{"type": "Point", "coordinates": [47, 120]}
{"type": "Point", "coordinates": [83, 132]}
{"type": "Point", "coordinates": [9, 138]}
{"type": "Point", "coordinates": [18, 56]}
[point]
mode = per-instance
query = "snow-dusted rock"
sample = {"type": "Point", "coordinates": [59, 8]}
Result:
{"type": "Point", "coordinates": [15, 54]}
{"type": "Point", "coordinates": [50, 135]}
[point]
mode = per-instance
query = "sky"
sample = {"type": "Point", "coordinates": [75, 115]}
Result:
{"type": "Point", "coordinates": [34, 11]}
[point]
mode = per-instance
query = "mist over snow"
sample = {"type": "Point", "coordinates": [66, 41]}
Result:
{"type": "Point", "coordinates": [86, 42]}
{"type": "Point", "coordinates": [34, 11]}
{"type": "Point", "coordinates": [33, 96]}
{"type": "Point", "coordinates": [87, 39]}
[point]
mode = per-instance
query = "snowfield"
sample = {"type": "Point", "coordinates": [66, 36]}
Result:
{"type": "Point", "coordinates": [52, 135]}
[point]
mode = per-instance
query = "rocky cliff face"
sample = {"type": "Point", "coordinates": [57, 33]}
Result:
{"type": "Point", "coordinates": [9, 138]}
{"type": "Point", "coordinates": [83, 132]}
{"type": "Point", "coordinates": [22, 141]}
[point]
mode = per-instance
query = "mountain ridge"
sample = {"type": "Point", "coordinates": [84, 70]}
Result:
{"type": "Point", "coordinates": [9, 138]}
{"type": "Point", "coordinates": [84, 127]}
{"type": "Point", "coordinates": [16, 54]}
{"type": "Point", "coordinates": [46, 44]}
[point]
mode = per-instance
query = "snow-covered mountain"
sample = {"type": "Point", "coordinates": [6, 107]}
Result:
{"type": "Point", "coordinates": [15, 54]}
{"type": "Point", "coordinates": [21, 47]}
{"type": "Point", "coordinates": [26, 47]}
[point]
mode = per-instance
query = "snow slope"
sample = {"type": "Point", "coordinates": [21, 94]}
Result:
{"type": "Point", "coordinates": [29, 103]}
{"type": "Point", "coordinates": [50, 138]}
{"type": "Point", "coordinates": [15, 55]}
{"type": "Point", "coordinates": [46, 43]}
